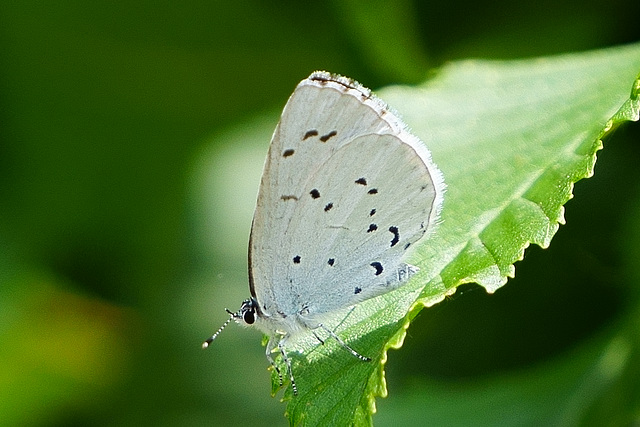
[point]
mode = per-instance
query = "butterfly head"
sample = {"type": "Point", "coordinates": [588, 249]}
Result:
{"type": "Point", "coordinates": [247, 313]}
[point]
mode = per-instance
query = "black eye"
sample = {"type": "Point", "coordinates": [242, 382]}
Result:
{"type": "Point", "coordinates": [249, 317]}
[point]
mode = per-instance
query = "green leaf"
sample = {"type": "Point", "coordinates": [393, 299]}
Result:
{"type": "Point", "coordinates": [511, 138]}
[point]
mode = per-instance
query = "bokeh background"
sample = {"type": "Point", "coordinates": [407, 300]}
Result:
{"type": "Point", "coordinates": [126, 202]}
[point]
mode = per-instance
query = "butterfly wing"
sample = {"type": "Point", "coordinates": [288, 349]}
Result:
{"type": "Point", "coordinates": [345, 192]}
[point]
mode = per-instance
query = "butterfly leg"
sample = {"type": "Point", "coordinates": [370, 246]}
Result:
{"type": "Point", "coordinates": [317, 337]}
{"type": "Point", "coordinates": [344, 344]}
{"type": "Point", "coordinates": [270, 346]}
{"type": "Point", "coordinates": [288, 363]}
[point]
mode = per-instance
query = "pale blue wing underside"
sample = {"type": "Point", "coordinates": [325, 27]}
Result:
{"type": "Point", "coordinates": [346, 191]}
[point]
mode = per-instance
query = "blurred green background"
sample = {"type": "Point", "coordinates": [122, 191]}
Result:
{"type": "Point", "coordinates": [125, 209]}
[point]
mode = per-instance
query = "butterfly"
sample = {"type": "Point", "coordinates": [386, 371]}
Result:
{"type": "Point", "coordinates": [346, 192]}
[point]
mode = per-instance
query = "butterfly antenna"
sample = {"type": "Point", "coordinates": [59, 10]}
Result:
{"type": "Point", "coordinates": [214, 336]}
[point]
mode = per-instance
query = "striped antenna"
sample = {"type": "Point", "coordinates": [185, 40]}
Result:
{"type": "Point", "coordinates": [213, 337]}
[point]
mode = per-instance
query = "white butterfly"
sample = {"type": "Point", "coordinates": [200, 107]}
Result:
{"type": "Point", "coordinates": [346, 191]}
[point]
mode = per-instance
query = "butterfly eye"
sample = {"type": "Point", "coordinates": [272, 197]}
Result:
{"type": "Point", "coordinates": [249, 317]}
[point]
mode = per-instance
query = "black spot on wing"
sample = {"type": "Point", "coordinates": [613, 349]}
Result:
{"type": "Point", "coordinates": [378, 267]}
{"type": "Point", "coordinates": [396, 235]}
{"type": "Point", "coordinates": [314, 193]}
{"type": "Point", "coordinates": [325, 138]}
{"type": "Point", "coordinates": [331, 261]}
{"type": "Point", "coordinates": [328, 207]}
{"type": "Point", "coordinates": [309, 134]}
{"type": "Point", "coordinates": [372, 227]}
{"type": "Point", "coordinates": [373, 191]}
{"type": "Point", "coordinates": [357, 290]}
{"type": "Point", "coordinates": [296, 259]}
{"type": "Point", "coordinates": [288, 152]}
{"type": "Point", "coordinates": [407, 246]}
{"type": "Point", "coordinates": [361, 181]}
{"type": "Point", "coordinates": [372, 212]}
{"type": "Point", "coordinates": [288, 197]}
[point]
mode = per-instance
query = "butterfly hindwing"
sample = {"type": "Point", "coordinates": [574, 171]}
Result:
{"type": "Point", "coordinates": [346, 240]}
